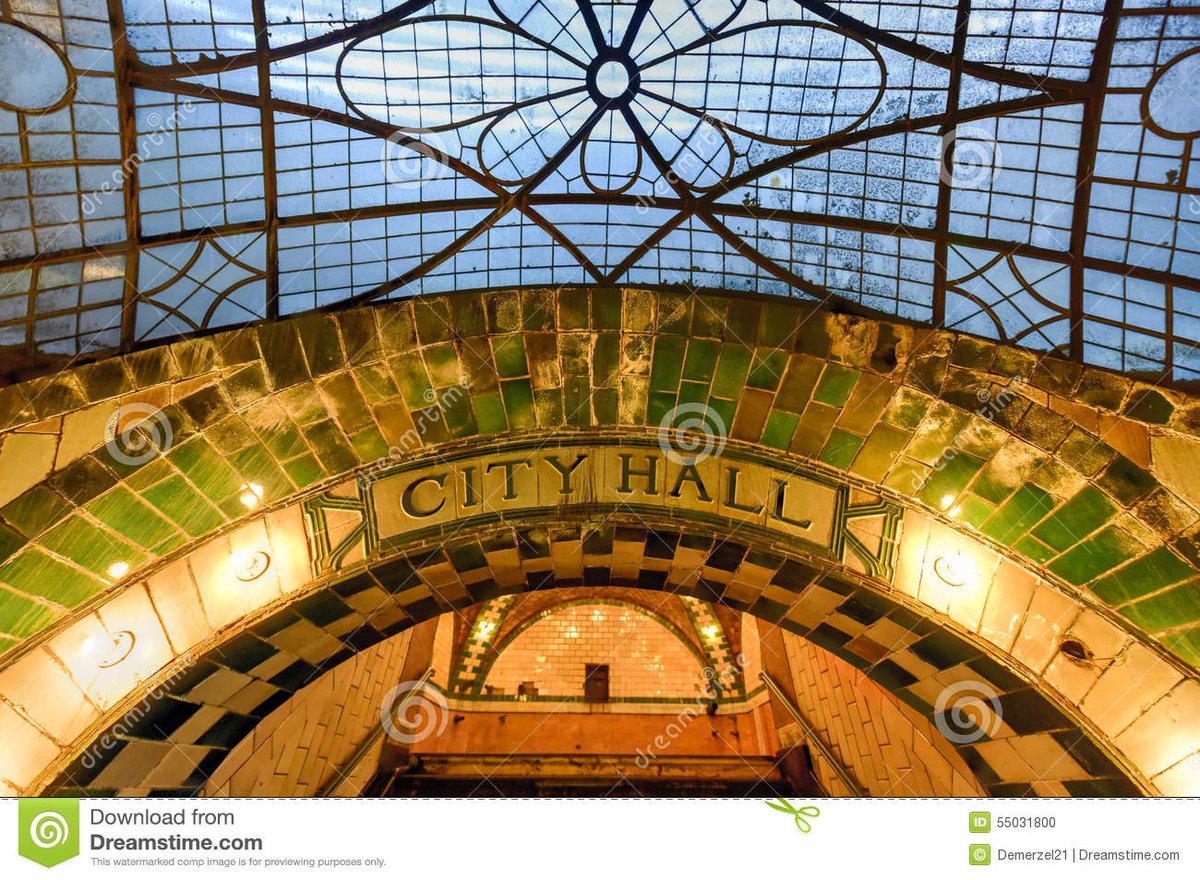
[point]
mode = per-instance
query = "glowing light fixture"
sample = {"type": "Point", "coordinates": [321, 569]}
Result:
{"type": "Point", "coordinates": [251, 495]}
{"type": "Point", "coordinates": [485, 628]}
{"type": "Point", "coordinates": [122, 646]}
{"type": "Point", "coordinates": [954, 568]}
{"type": "Point", "coordinates": [249, 565]}
{"type": "Point", "coordinates": [118, 570]}
{"type": "Point", "coordinates": [710, 631]}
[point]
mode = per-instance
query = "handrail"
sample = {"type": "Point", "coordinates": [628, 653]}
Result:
{"type": "Point", "coordinates": [812, 736]}
{"type": "Point", "coordinates": [369, 743]}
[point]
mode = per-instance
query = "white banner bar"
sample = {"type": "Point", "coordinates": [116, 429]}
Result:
{"type": "Point", "coordinates": [600, 838]}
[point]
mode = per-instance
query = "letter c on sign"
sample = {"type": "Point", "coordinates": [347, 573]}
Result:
{"type": "Point", "coordinates": [408, 503]}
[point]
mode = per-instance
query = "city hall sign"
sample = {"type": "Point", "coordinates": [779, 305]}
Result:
{"type": "Point", "coordinates": [634, 481]}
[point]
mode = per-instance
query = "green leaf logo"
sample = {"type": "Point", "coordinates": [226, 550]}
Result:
{"type": "Point", "coordinates": [48, 829]}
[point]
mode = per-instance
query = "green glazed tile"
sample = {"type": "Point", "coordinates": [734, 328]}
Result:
{"type": "Point", "coordinates": [949, 478]}
{"type": "Point", "coordinates": [124, 513]}
{"type": "Point", "coordinates": [184, 506]}
{"type": "Point", "coordinates": [1075, 520]}
{"type": "Point", "coordinates": [509, 352]}
{"type": "Point", "coordinates": [1169, 610]}
{"type": "Point", "coordinates": [767, 369]}
{"type": "Point", "coordinates": [489, 413]}
{"type": "Point", "coordinates": [38, 574]}
{"type": "Point", "coordinates": [732, 368]}
{"type": "Point", "coordinates": [836, 384]}
{"type": "Point", "coordinates": [1095, 556]}
{"type": "Point", "coordinates": [780, 428]}
{"type": "Point", "coordinates": [207, 470]}
{"type": "Point", "coordinates": [1026, 506]}
{"type": "Point", "coordinates": [409, 370]}
{"type": "Point", "coordinates": [1152, 572]}
{"type": "Point", "coordinates": [972, 510]}
{"type": "Point", "coordinates": [20, 616]}
{"type": "Point", "coordinates": [1035, 550]}
{"type": "Point", "coordinates": [35, 510]}
{"type": "Point", "coordinates": [304, 471]}
{"type": "Point", "coordinates": [841, 448]}
{"type": "Point", "coordinates": [442, 362]}
{"type": "Point", "coordinates": [1184, 644]}
{"type": "Point", "coordinates": [518, 403]}
{"type": "Point", "coordinates": [667, 366]}
{"type": "Point", "coordinates": [369, 445]}
{"type": "Point", "coordinates": [701, 360]}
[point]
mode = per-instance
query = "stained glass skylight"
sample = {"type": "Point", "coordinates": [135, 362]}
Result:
{"type": "Point", "coordinates": [1016, 169]}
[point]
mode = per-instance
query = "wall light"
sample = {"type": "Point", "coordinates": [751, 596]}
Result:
{"type": "Point", "coordinates": [249, 565]}
{"type": "Point", "coordinates": [484, 629]}
{"type": "Point", "coordinates": [118, 570]}
{"type": "Point", "coordinates": [122, 646]}
{"type": "Point", "coordinates": [710, 631]}
{"type": "Point", "coordinates": [251, 495]}
{"type": "Point", "coordinates": [954, 569]}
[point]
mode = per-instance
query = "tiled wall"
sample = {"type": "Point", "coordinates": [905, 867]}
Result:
{"type": "Point", "coordinates": [302, 746]}
{"type": "Point", "coordinates": [888, 749]}
{"type": "Point", "coordinates": [645, 659]}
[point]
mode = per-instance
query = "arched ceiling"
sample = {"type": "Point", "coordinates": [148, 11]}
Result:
{"type": "Point", "coordinates": [1017, 171]}
{"type": "Point", "coordinates": [393, 462]}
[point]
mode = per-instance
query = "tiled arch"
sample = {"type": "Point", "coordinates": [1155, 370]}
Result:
{"type": "Point", "coordinates": [297, 405]}
{"type": "Point", "coordinates": [910, 654]}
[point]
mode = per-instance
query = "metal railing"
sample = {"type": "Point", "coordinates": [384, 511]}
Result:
{"type": "Point", "coordinates": [811, 735]}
